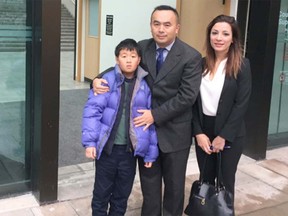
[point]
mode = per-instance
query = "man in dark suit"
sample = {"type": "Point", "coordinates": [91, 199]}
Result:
{"type": "Point", "coordinates": [174, 91]}
{"type": "Point", "coordinates": [175, 87]}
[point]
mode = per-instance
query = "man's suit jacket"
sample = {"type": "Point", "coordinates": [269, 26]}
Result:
{"type": "Point", "coordinates": [174, 91]}
{"type": "Point", "coordinates": [232, 106]}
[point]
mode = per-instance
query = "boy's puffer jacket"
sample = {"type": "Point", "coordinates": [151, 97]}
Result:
{"type": "Point", "coordinates": [100, 112]}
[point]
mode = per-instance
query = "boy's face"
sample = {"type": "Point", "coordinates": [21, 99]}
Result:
{"type": "Point", "coordinates": [128, 62]}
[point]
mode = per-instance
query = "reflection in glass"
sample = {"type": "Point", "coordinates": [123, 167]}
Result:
{"type": "Point", "coordinates": [15, 43]}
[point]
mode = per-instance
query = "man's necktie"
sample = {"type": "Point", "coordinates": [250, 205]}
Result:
{"type": "Point", "coordinates": [160, 59]}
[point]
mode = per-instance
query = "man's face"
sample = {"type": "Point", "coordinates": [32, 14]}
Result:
{"type": "Point", "coordinates": [164, 27]}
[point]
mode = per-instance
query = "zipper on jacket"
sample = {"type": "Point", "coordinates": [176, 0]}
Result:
{"type": "Point", "coordinates": [108, 132]}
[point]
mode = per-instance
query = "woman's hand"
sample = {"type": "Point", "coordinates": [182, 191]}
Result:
{"type": "Point", "coordinates": [204, 143]}
{"type": "Point", "coordinates": [100, 86]}
{"type": "Point", "coordinates": [218, 144]}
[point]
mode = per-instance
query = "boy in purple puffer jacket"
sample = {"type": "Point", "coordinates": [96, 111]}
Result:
{"type": "Point", "coordinates": [108, 133]}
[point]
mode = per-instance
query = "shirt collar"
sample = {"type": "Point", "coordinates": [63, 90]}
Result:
{"type": "Point", "coordinates": [168, 48]}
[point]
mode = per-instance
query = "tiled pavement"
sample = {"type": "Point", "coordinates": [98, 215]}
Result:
{"type": "Point", "coordinates": [261, 189]}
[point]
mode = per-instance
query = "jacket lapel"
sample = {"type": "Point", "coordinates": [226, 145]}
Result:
{"type": "Point", "coordinates": [173, 57]}
{"type": "Point", "coordinates": [227, 82]}
{"type": "Point", "coordinates": [150, 56]}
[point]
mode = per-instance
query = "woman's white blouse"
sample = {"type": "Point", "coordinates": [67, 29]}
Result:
{"type": "Point", "coordinates": [210, 90]}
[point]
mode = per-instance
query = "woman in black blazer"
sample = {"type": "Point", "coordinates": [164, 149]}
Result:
{"type": "Point", "coordinates": [218, 123]}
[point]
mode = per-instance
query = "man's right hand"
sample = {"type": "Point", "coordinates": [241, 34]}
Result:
{"type": "Point", "coordinates": [100, 86]}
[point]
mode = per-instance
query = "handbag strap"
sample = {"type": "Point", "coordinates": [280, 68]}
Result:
{"type": "Point", "coordinates": [219, 176]}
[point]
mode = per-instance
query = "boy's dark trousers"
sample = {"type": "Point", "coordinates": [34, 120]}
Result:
{"type": "Point", "coordinates": [113, 184]}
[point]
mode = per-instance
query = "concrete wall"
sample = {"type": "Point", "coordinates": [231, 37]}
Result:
{"type": "Point", "coordinates": [196, 15]}
{"type": "Point", "coordinates": [131, 19]}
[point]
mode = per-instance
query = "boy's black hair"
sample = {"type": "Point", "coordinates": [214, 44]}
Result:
{"type": "Point", "coordinates": [128, 44]}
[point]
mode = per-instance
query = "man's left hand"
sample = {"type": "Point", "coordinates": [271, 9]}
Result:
{"type": "Point", "coordinates": [145, 119]}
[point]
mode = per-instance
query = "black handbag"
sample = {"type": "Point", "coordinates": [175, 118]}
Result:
{"type": "Point", "coordinates": [210, 200]}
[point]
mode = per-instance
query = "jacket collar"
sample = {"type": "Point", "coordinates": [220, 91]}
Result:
{"type": "Point", "coordinates": [172, 59]}
{"type": "Point", "coordinates": [140, 74]}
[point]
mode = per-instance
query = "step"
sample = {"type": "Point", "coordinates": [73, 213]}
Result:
{"type": "Point", "coordinates": [14, 13]}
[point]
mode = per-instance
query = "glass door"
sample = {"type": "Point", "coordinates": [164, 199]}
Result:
{"type": "Point", "coordinates": [278, 123]}
{"type": "Point", "coordinates": [15, 64]}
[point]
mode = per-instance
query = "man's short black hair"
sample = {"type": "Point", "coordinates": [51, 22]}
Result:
{"type": "Point", "coordinates": [166, 7]}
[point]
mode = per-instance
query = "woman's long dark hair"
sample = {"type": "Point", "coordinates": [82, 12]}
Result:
{"type": "Point", "coordinates": [234, 53]}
